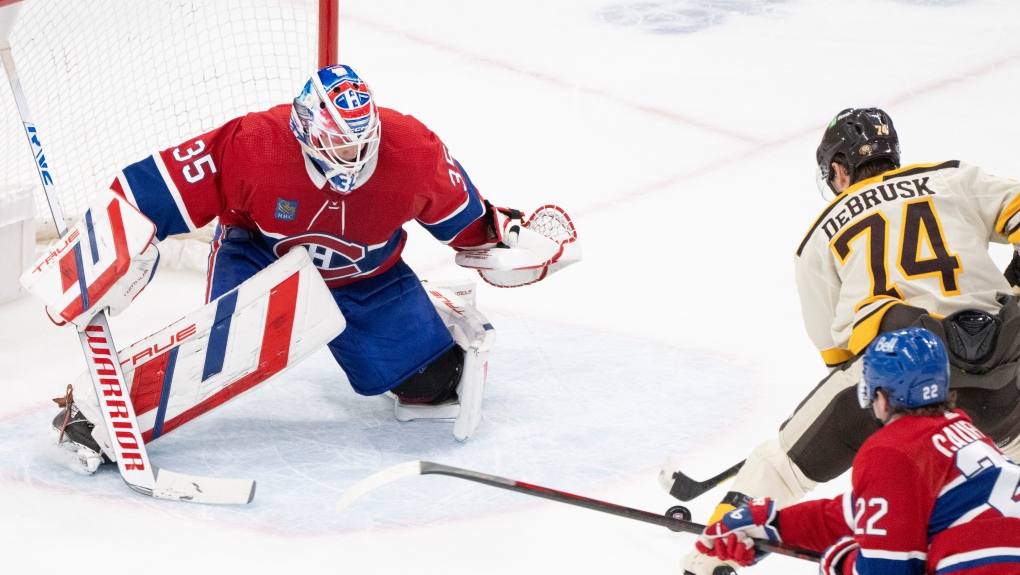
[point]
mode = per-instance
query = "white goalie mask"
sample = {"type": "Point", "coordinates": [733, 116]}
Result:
{"type": "Point", "coordinates": [336, 121]}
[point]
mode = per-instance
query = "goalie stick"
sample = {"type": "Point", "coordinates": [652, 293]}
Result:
{"type": "Point", "coordinates": [415, 468]}
{"type": "Point", "coordinates": [101, 354]}
{"type": "Point", "coordinates": [679, 485]}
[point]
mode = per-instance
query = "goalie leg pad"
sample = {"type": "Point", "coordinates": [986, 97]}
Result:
{"type": "Point", "coordinates": [225, 348]}
{"type": "Point", "coordinates": [475, 336]}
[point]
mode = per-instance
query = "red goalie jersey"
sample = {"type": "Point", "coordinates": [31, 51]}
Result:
{"type": "Point", "coordinates": [930, 495]}
{"type": "Point", "coordinates": [251, 173]}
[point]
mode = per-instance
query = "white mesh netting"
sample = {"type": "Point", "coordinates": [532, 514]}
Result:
{"type": "Point", "coordinates": [111, 81]}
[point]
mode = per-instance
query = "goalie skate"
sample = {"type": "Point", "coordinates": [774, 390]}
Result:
{"type": "Point", "coordinates": [70, 442]}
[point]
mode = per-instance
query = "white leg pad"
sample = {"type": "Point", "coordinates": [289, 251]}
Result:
{"type": "Point", "coordinates": [476, 336]}
{"type": "Point", "coordinates": [227, 347]}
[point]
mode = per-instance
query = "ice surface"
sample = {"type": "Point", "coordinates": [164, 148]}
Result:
{"type": "Point", "coordinates": [680, 136]}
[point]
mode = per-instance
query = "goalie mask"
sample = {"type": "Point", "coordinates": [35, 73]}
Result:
{"type": "Point", "coordinates": [337, 124]}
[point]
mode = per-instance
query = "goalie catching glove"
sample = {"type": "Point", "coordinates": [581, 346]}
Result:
{"type": "Point", "coordinates": [732, 537]}
{"type": "Point", "coordinates": [103, 262]}
{"type": "Point", "coordinates": [524, 252]}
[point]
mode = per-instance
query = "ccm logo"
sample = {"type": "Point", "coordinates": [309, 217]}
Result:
{"type": "Point", "coordinates": [155, 349]}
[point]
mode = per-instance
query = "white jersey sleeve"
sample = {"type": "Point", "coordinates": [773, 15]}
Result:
{"type": "Point", "coordinates": [917, 235]}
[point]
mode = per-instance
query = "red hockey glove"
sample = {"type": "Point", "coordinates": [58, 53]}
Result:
{"type": "Point", "coordinates": [732, 537]}
{"type": "Point", "coordinates": [839, 558]}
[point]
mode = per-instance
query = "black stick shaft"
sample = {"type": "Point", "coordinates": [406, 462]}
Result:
{"type": "Point", "coordinates": [596, 505]}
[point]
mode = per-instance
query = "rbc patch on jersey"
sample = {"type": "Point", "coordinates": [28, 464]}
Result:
{"type": "Point", "coordinates": [286, 209]}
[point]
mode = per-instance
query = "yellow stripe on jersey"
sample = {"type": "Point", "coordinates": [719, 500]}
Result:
{"type": "Point", "coordinates": [835, 356]}
{"type": "Point", "coordinates": [1008, 213]}
{"type": "Point", "coordinates": [866, 328]}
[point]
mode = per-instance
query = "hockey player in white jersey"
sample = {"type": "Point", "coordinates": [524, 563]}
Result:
{"type": "Point", "coordinates": [897, 247]}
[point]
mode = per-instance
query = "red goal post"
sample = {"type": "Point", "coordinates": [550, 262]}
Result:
{"type": "Point", "coordinates": [111, 81]}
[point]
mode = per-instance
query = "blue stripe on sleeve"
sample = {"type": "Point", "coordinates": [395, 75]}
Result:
{"type": "Point", "coordinates": [960, 500]}
{"type": "Point", "coordinates": [1005, 563]}
{"type": "Point", "coordinates": [448, 229]}
{"type": "Point", "coordinates": [217, 349]}
{"type": "Point", "coordinates": [877, 566]}
{"type": "Point", "coordinates": [154, 198]}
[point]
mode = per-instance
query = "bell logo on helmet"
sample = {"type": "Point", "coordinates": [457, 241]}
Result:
{"type": "Point", "coordinates": [886, 345]}
{"type": "Point", "coordinates": [865, 150]}
{"type": "Point", "coordinates": [910, 366]}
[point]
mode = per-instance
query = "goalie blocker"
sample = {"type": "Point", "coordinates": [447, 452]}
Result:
{"type": "Point", "coordinates": [103, 262]}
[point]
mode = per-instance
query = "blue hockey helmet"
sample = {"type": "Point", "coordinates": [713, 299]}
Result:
{"type": "Point", "coordinates": [911, 365]}
{"type": "Point", "coordinates": [336, 121]}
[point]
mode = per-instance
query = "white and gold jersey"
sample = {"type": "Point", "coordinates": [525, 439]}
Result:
{"type": "Point", "coordinates": [917, 235]}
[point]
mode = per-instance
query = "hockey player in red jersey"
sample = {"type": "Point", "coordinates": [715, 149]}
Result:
{"type": "Point", "coordinates": [896, 247]}
{"type": "Point", "coordinates": [930, 492]}
{"type": "Point", "coordinates": [337, 175]}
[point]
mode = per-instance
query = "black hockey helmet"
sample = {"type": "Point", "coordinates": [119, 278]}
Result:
{"type": "Point", "coordinates": [860, 134]}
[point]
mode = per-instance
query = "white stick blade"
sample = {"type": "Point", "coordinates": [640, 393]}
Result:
{"type": "Point", "coordinates": [206, 490]}
{"type": "Point", "coordinates": [377, 480]}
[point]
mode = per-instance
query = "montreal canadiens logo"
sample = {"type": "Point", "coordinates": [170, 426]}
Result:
{"type": "Point", "coordinates": [334, 257]}
{"type": "Point", "coordinates": [351, 98]}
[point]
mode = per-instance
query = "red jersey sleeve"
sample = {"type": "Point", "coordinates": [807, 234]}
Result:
{"type": "Point", "coordinates": [181, 188]}
{"type": "Point", "coordinates": [818, 523]}
{"type": "Point", "coordinates": [450, 207]}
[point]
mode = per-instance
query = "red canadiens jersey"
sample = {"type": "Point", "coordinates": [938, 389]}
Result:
{"type": "Point", "coordinates": [251, 173]}
{"type": "Point", "coordinates": [930, 495]}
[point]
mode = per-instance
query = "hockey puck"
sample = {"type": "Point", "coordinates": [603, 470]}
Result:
{"type": "Point", "coordinates": [678, 512]}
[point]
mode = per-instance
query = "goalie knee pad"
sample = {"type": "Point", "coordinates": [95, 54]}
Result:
{"type": "Point", "coordinates": [435, 383]}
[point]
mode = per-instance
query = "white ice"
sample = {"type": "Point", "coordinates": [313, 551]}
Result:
{"type": "Point", "coordinates": [680, 135]}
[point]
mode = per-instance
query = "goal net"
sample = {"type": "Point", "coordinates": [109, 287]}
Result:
{"type": "Point", "coordinates": [109, 82]}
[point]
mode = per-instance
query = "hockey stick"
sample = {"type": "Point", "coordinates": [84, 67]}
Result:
{"type": "Point", "coordinates": [674, 482]}
{"type": "Point", "coordinates": [414, 468]}
{"type": "Point", "coordinates": [101, 354]}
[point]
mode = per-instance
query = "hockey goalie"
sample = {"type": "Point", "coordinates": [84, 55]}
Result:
{"type": "Point", "coordinates": [337, 177]}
